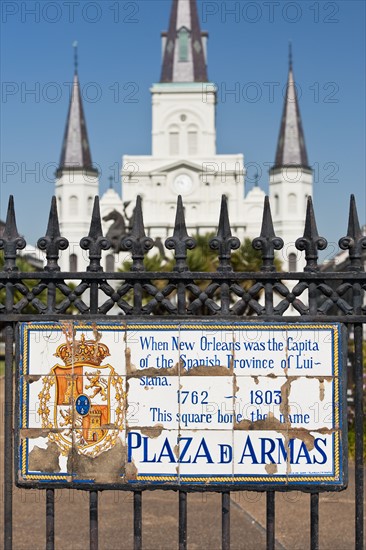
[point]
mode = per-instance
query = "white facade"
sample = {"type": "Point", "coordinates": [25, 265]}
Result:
{"type": "Point", "coordinates": [289, 189]}
{"type": "Point", "coordinates": [75, 191]}
{"type": "Point", "coordinates": [184, 162]}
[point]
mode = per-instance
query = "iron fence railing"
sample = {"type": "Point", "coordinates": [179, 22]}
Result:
{"type": "Point", "coordinates": [312, 295]}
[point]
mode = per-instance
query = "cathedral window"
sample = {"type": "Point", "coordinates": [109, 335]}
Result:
{"type": "Point", "coordinates": [174, 143]}
{"type": "Point", "coordinates": [292, 202]}
{"type": "Point", "coordinates": [73, 262]}
{"type": "Point", "coordinates": [192, 143]}
{"type": "Point", "coordinates": [183, 44]}
{"type": "Point", "coordinates": [277, 204]}
{"type": "Point", "coordinates": [90, 205]}
{"type": "Point", "coordinates": [73, 205]}
{"type": "Point", "coordinates": [292, 262]}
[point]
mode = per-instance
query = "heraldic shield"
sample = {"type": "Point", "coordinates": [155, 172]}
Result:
{"type": "Point", "coordinates": [82, 401]}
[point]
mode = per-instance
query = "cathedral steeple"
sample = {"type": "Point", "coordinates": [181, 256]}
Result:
{"type": "Point", "coordinates": [184, 58]}
{"type": "Point", "coordinates": [75, 152]}
{"type": "Point", "coordinates": [291, 150]}
{"type": "Point", "coordinates": [76, 181]}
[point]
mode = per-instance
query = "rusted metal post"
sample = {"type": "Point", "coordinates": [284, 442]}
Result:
{"type": "Point", "coordinates": [137, 520]}
{"type": "Point", "coordinates": [182, 520]}
{"type": "Point", "coordinates": [50, 519]}
{"type": "Point", "coordinates": [225, 518]}
{"type": "Point", "coordinates": [270, 520]}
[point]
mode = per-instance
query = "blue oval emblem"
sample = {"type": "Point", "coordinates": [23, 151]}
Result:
{"type": "Point", "coordinates": [82, 405]}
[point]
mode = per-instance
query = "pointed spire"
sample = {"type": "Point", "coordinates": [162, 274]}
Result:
{"type": "Point", "coordinates": [180, 241]}
{"type": "Point", "coordinates": [224, 242]}
{"type": "Point", "coordinates": [291, 149]}
{"type": "Point", "coordinates": [11, 241]}
{"type": "Point", "coordinates": [75, 152]}
{"type": "Point", "coordinates": [354, 241]}
{"type": "Point", "coordinates": [52, 243]}
{"type": "Point", "coordinates": [311, 242]}
{"type": "Point", "coordinates": [95, 242]}
{"type": "Point", "coordinates": [136, 241]}
{"type": "Point", "coordinates": [267, 242]}
{"type": "Point", "coordinates": [184, 56]}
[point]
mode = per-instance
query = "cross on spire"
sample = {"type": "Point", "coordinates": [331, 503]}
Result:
{"type": "Point", "coordinates": [75, 46]}
{"type": "Point", "coordinates": [290, 55]}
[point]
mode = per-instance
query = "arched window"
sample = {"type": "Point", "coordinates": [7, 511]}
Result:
{"type": "Point", "coordinates": [109, 263]}
{"type": "Point", "coordinates": [192, 142]}
{"type": "Point", "coordinates": [174, 142]}
{"type": "Point", "coordinates": [59, 206]}
{"type": "Point", "coordinates": [292, 262]}
{"type": "Point", "coordinates": [277, 204]}
{"type": "Point", "coordinates": [90, 205]}
{"type": "Point", "coordinates": [292, 202]}
{"type": "Point", "coordinates": [73, 262]}
{"type": "Point", "coordinates": [73, 205]}
{"type": "Point", "coordinates": [183, 44]}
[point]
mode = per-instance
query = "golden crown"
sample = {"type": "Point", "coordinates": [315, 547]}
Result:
{"type": "Point", "coordinates": [86, 351]}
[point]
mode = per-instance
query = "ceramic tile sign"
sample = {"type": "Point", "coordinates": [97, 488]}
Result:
{"type": "Point", "coordinates": [176, 403]}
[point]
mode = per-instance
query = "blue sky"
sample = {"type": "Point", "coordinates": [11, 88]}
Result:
{"type": "Point", "coordinates": [119, 59]}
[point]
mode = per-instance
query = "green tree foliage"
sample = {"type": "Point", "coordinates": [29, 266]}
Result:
{"type": "Point", "coordinates": [203, 259]}
{"type": "Point", "coordinates": [247, 259]}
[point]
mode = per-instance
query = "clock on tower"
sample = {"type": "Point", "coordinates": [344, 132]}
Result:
{"type": "Point", "coordinates": [183, 184]}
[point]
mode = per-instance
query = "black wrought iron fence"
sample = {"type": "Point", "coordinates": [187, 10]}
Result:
{"type": "Point", "coordinates": [286, 297]}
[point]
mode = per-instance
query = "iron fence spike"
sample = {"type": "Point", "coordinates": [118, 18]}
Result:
{"type": "Point", "coordinates": [53, 228]}
{"type": "Point", "coordinates": [311, 242]}
{"type": "Point", "coordinates": [96, 222]}
{"type": "Point", "coordinates": [354, 229]}
{"type": "Point", "coordinates": [52, 242]}
{"type": "Point", "coordinates": [180, 241]}
{"type": "Point", "coordinates": [11, 241]}
{"type": "Point", "coordinates": [180, 228]}
{"type": "Point", "coordinates": [267, 230]}
{"type": "Point", "coordinates": [310, 229]}
{"type": "Point", "coordinates": [267, 242]}
{"type": "Point", "coordinates": [138, 228]}
{"type": "Point", "coordinates": [224, 242]}
{"type": "Point", "coordinates": [224, 229]}
{"type": "Point", "coordinates": [137, 241]}
{"type": "Point", "coordinates": [11, 231]}
{"type": "Point", "coordinates": [354, 241]}
{"type": "Point", "coordinates": [95, 242]}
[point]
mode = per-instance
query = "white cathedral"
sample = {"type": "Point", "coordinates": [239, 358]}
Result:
{"type": "Point", "coordinates": [184, 160]}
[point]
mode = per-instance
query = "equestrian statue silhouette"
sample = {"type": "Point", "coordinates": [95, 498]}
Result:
{"type": "Point", "coordinates": [122, 225]}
